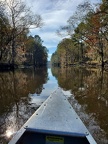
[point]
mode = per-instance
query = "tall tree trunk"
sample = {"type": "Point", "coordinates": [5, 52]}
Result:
{"type": "Point", "coordinates": [102, 55]}
{"type": "Point", "coordinates": [102, 61]}
{"type": "Point", "coordinates": [13, 52]}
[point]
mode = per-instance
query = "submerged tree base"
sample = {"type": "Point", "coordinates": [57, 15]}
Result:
{"type": "Point", "coordinates": [5, 66]}
{"type": "Point", "coordinates": [82, 64]}
{"type": "Point", "coordinates": [9, 67]}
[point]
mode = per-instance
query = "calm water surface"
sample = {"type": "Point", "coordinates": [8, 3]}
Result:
{"type": "Point", "coordinates": [23, 91]}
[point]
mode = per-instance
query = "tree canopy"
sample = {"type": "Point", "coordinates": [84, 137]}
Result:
{"type": "Point", "coordinates": [16, 18]}
{"type": "Point", "coordinates": [88, 30]}
{"type": "Point", "coordinates": [36, 53]}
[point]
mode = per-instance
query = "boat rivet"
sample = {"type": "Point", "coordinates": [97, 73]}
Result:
{"type": "Point", "coordinates": [87, 133]}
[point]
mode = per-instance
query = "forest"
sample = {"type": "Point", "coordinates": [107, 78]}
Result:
{"type": "Point", "coordinates": [86, 37]}
{"type": "Point", "coordinates": [17, 47]}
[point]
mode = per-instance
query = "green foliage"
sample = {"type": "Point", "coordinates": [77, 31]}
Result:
{"type": "Point", "coordinates": [55, 59]}
{"type": "Point", "coordinates": [15, 45]}
{"type": "Point", "coordinates": [36, 52]}
{"type": "Point", "coordinates": [69, 51]}
{"type": "Point", "coordinates": [88, 29]}
{"type": "Point", "coordinates": [16, 18]}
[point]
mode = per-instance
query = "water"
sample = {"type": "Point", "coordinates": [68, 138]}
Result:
{"type": "Point", "coordinates": [23, 91]}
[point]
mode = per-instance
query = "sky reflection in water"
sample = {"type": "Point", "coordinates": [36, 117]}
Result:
{"type": "Point", "coordinates": [86, 93]}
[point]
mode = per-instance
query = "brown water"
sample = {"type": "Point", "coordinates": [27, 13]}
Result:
{"type": "Point", "coordinates": [90, 97]}
{"type": "Point", "coordinates": [23, 91]}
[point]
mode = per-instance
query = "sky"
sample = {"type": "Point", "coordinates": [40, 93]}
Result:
{"type": "Point", "coordinates": [54, 13]}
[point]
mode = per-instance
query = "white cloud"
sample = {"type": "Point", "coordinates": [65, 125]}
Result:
{"type": "Point", "coordinates": [55, 13]}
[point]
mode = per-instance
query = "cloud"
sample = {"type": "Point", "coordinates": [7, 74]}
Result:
{"type": "Point", "coordinates": [55, 13]}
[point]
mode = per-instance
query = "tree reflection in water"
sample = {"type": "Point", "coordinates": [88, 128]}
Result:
{"type": "Point", "coordinates": [21, 89]}
{"type": "Point", "coordinates": [15, 107]}
{"type": "Point", "coordinates": [90, 90]}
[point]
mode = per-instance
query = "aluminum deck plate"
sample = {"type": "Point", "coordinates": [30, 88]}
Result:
{"type": "Point", "coordinates": [55, 115]}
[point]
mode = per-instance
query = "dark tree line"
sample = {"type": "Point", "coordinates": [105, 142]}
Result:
{"type": "Point", "coordinates": [15, 21]}
{"type": "Point", "coordinates": [36, 53]}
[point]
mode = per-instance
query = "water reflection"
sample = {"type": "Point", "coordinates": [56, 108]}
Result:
{"type": "Point", "coordinates": [15, 106]}
{"type": "Point", "coordinates": [23, 91]}
{"type": "Point", "coordinates": [90, 89]}
{"type": "Point", "coordinates": [9, 133]}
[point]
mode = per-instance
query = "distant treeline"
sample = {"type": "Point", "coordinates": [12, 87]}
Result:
{"type": "Point", "coordinates": [17, 47]}
{"type": "Point", "coordinates": [88, 42]}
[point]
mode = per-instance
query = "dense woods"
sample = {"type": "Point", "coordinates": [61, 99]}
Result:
{"type": "Point", "coordinates": [16, 46]}
{"type": "Point", "coordinates": [36, 53]}
{"type": "Point", "coordinates": [88, 42]}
